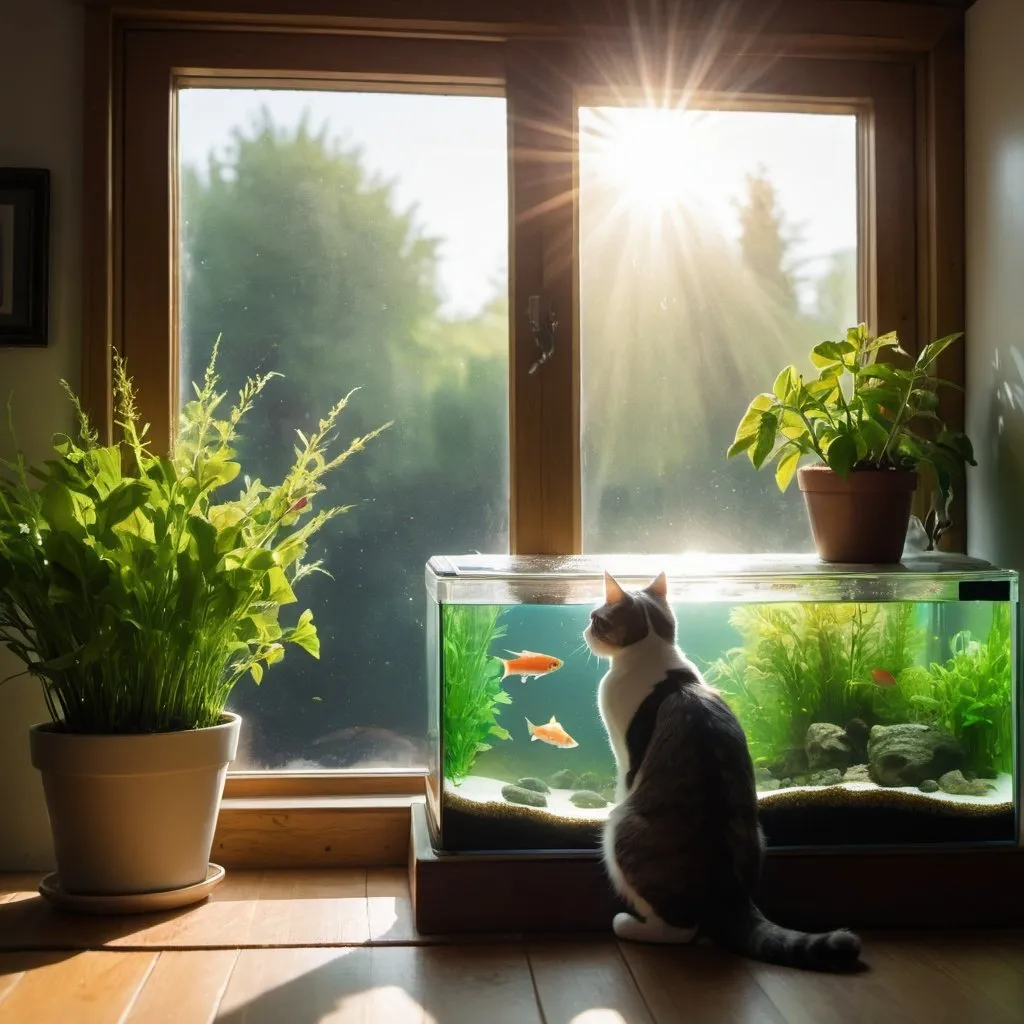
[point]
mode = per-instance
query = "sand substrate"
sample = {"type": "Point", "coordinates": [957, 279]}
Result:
{"type": "Point", "coordinates": [475, 817]}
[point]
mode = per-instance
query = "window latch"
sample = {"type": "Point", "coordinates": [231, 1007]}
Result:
{"type": "Point", "coordinates": [543, 332]}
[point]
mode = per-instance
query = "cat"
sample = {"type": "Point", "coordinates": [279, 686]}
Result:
{"type": "Point", "coordinates": [683, 845]}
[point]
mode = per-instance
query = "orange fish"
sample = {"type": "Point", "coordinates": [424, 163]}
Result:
{"type": "Point", "coordinates": [551, 733]}
{"type": "Point", "coordinates": [529, 663]}
{"type": "Point", "coordinates": [882, 678]}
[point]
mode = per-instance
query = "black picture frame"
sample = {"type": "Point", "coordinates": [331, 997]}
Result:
{"type": "Point", "coordinates": [24, 255]}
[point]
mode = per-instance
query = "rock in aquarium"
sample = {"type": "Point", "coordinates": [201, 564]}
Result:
{"type": "Point", "coordinates": [929, 786]}
{"type": "Point", "coordinates": [586, 798]}
{"type": "Point", "coordinates": [591, 781]}
{"type": "Point", "coordinates": [564, 779]}
{"type": "Point", "coordinates": [906, 754]}
{"type": "Point", "coordinates": [954, 782]}
{"type": "Point", "coordinates": [527, 797]}
{"type": "Point", "coordinates": [829, 777]}
{"type": "Point", "coordinates": [857, 773]}
{"type": "Point", "coordinates": [827, 746]}
{"type": "Point", "coordinates": [533, 784]}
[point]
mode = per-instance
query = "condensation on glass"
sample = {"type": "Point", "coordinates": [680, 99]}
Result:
{"type": "Point", "coordinates": [880, 704]}
{"type": "Point", "coordinates": [342, 240]}
{"type": "Point", "coordinates": [715, 247]}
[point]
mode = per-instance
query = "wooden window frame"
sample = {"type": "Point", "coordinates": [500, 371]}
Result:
{"type": "Point", "coordinates": [899, 64]}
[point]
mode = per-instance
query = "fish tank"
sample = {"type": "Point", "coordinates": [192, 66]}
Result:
{"type": "Point", "coordinates": [881, 704]}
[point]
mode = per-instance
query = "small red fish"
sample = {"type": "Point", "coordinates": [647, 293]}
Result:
{"type": "Point", "coordinates": [552, 733]}
{"type": "Point", "coordinates": [882, 678]}
{"type": "Point", "coordinates": [528, 663]}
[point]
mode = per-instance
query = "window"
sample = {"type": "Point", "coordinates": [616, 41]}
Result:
{"type": "Point", "coordinates": [348, 239]}
{"type": "Point", "coordinates": [478, 155]}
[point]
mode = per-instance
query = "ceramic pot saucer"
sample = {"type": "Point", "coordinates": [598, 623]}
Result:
{"type": "Point", "coordinates": [131, 903]}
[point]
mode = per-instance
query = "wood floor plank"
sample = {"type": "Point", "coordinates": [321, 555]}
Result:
{"type": "Point", "coordinates": [19, 886]}
{"type": "Point", "coordinates": [86, 988]}
{"type": "Point", "coordinates": [310, 908]}
{"type": "Point", "coordinates": [399, 984]}
{"type": "Point", "coordinates": [389, 905]}
{"type": "Point", "coordinates": [585, 983]}
{"type": "Point", "coordinates": [14, 965]}
{"type": "Point", "coordinates": [712, 985]}
{"type": "Point", "coordinates": [184, 987]}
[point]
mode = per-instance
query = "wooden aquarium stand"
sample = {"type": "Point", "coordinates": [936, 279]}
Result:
{"type": "Point", "coordinates": [924, 888]}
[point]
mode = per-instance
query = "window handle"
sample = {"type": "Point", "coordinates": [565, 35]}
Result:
{"type": "Point", "coordinates": [543, 332]}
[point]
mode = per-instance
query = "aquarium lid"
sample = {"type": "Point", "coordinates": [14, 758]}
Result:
{"type": "Point", "coordinates": [638, 568]}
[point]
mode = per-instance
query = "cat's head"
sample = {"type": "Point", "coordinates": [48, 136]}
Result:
{"type": "Point", "coordinates": [628, 617]}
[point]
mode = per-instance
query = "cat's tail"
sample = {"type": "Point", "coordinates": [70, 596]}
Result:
{"type": "Point", "coordinates": [749, 933]}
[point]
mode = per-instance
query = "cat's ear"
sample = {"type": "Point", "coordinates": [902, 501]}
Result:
{"type": "Point", "coordinates": [658, 587]}
{"type": "Point", "coordinates": [613, 593]}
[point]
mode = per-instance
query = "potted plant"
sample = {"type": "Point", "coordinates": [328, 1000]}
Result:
{"type": "Point", "coordinates": [139, 595]}
{"type": "Point", "coordinates": [873, 427]}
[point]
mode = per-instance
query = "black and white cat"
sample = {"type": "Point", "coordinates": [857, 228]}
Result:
{"type": "Point", "coordinates": [683, 846]}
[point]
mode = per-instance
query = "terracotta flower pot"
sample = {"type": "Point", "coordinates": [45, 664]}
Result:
{"type": "Point", "coordinates": [133, 814]}
{"type": "Point", "coordinates": [862, 517]}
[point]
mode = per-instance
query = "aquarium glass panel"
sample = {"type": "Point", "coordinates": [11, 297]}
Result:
{"type": "Point", "coordinates": [715, 248]}
{"type": "Point", "coordinates": [871, 722]}
{"type": "Point", "coordinates": [355, 240]}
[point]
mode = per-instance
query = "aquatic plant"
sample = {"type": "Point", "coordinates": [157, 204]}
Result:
{"type": "Point", "coordinates": [804, 663]}
{"type": "Point", "coordinates": [970, 695]}
{"type": "Point", "coordinates": [472, 685]}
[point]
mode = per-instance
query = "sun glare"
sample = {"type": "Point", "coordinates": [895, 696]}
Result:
{"type": "Point", "coordinates": [648, 155]}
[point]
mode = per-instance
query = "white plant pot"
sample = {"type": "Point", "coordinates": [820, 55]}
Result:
{"type": "Point", "coordinates": [133, 814]}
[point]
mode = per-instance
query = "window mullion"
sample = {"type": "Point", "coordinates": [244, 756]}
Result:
{"type": "Point", "coordinates": [544, 404]}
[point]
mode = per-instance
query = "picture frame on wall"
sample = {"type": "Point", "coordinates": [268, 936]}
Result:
{"type": "Point", "coordinates": [24, 255]}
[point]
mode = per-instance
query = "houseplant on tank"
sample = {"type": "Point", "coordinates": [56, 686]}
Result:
{"type": "Point", "coordinates": [874, 428]}
{"type": "Point", "coordinates": [138, 594]}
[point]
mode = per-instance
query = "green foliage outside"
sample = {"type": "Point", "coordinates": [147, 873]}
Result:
{"type": "Point", "coordinates": [970, 695]}
{"type": "Point", "coordinates": [804, 663]}
{"type": "Point", "coordinates": [861, 412]}
{"type": "Point", "coordinates": [472, 693]}
{"type": "Point", "coordinates": [133, 588]}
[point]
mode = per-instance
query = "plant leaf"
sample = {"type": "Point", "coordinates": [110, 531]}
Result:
{"type": "Point", "coordinates": [786, 468]}
{"type": "Point", "coordinates": [842, 454]}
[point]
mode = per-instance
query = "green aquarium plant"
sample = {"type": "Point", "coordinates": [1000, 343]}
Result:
{"type": "Point", "coordinates": [814, 662]}
{"type": "Point", "coordinates": [473, 694]}
{"type": "Point", "coordinates": [133, 587]}
{"type": "Point", "coordinates": [970, 696]}
{"type": "Point", "coordinates": [873, 423]}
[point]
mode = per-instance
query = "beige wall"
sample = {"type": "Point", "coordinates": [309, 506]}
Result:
{"type": "Point", "coordinates": [995, 278]}
{"type": "Point", "coordinates": [40, 126]}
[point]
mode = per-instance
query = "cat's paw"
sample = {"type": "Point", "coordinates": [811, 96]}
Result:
{"type": "Point", "coordinates": [631, 928]}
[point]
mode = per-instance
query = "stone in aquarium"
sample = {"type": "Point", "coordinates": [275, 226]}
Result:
{"type": "Point", "coordinates": [564, 779]}
{"type": "Point", "coordinates": [955, 783]}
{"type": "Point", "coordinates": [587, 798]}
{"type": "Point", "coordinates": [527, 797]}
{"type": "Point", "coordinates": [827, 746]}
{"type": "Point", "coordinates": [533, 784]}
{"type": "Point", "coordinates": [929, 786]}
{"type": "Point", "coordinates": [793, 762]}
{"type": "Point", "coordinates": [768, 785]}
{"type": "Point", "coordinates": [857, 773]}
{"type": "Point", "coordinates": [909, 753]}
{"type": "Point", "coordinates": [829, 777]}
{"type": "Point", "coordinates": [591, 781]}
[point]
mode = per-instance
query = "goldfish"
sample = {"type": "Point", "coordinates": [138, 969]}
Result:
{"type": "Point", "coordinates": [882, 678]}
{"type": "Point", "coordinates": [528, 663]}
{"type": "Point", "coordinates": [552, 733]}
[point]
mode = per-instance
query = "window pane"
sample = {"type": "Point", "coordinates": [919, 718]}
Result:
{"type": "Point", "coordinates": [355, 240]}
{"type": "Point", "coordinates": [716, 247]}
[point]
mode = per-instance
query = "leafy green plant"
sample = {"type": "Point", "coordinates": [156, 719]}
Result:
{"type": "Point", "coordinates": [859, 413]}
{"type": "Point", "coordinates": [472, 685]}
{"type": "Point", "coordinates": [132, 589]}
{"type": "Point", "coordinates": [804, 663]}
{"type": "Point", "coordinates": [970, 695]}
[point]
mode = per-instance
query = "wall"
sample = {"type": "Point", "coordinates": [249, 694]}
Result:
{"type": "Point", "coordinates": [995, 278]}
{"type": "Point", "coordinates": [40, 126]}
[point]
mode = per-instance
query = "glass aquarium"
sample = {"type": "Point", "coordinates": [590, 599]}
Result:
{"type": "Point", "coordinates": [881, 704]}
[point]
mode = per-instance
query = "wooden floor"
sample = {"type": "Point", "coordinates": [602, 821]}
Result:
{"type": "Point", "coordinates": [288, 947]}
